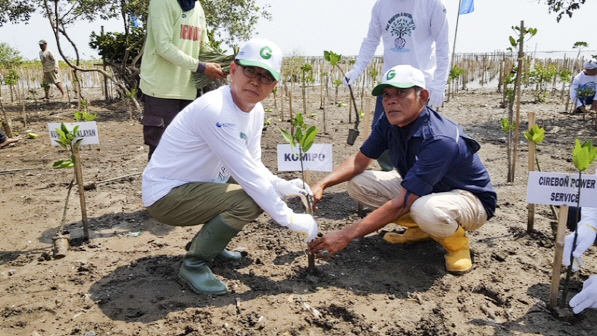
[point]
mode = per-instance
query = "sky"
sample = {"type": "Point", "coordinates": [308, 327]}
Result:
{"type": "Point", "coordinates": [307, 27]}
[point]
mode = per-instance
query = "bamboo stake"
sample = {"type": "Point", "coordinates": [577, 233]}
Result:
{"type": "Point", "coordinates": [518, 97]}
{"type": "Point", "coordinates": [6, 123]}
{"type": "Point", "coordinates": [24, 114]}
{"type": "Point", "coordinates": [532, 153]}
{"type": "Point", "coordinates": [310, 256]}
{"type": "Point", "coordinates": [557, 259]}
{"type": "Point", "coordinates": [79, 176]}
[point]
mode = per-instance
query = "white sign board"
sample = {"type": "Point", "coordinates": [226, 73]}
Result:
{"type": "Point", "coordinates": [318, 158]}
{"type": "Point", "coordinates": [87, 131]}
{"type": "Point", "coordinates": [561, 189]}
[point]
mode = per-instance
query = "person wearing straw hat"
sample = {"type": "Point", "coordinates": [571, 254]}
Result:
{"type": "Point", "coordinates": [49, 65]}
{"type": "Point", "coordinates": [176, 33]}
{"type": "Point", "coordinates": [583, 88]}
{"type": "Point", "coordinates": [215, 138]}
{"type": "Point", "coordinates": [439, 188]}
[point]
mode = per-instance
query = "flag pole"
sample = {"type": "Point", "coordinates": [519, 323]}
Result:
{"type": "Point", "coordinates": [455, 34]}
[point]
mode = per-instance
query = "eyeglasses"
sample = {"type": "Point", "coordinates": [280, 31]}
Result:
{"type": "Point", "coordinates": [251, 72]}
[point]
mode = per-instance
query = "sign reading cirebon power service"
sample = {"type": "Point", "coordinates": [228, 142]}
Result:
{"type": "Point", "coordinates": [562, 189]}
{"type": "Point", "coordinates": [318, 158]}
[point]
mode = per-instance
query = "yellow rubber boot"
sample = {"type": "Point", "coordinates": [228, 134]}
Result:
{"type": "Point", "coordinates": [412, 234]}
{"type": "Point", "coordinates": [458, 256]}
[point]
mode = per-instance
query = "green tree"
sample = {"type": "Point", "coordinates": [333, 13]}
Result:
{"type": "Point", "coordinates": [9, 57]}
{"type": "Point", "coordinates": [562, 7]}
{"type": "Point", "coordinates": [15, 11]}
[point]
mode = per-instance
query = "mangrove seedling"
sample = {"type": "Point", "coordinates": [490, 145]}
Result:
{"type": "Point", "coordinates": [68, 140]}
{"type": "Point", "coordinates": [302, 138]}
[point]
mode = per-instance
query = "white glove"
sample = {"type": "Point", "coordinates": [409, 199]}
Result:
{"type": "Point", "coordinates": [296, 187]}
{"type": "Point", "coordinates": [587, 298]}
{"type": "Point", "coordinates": [350, 77]}
{"type": "Point", "coordinates": [586, 237]}
{"type": "Point", "coordinates": [436, 98]}
{"type": "Point", "coordinates": [304, 223]}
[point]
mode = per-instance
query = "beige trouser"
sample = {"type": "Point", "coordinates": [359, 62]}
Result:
{"type": "Point", "coordinates": [197, 203]}
{"type": "Point", "coordinates": [438, 214]}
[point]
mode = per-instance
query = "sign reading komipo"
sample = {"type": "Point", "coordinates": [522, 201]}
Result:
{"type": "Point", "coordinates": [87, 131]}
{"type": "Point", "coordinates": [562, 189]}
{"type": "Point", "coordinates": [318, 158]}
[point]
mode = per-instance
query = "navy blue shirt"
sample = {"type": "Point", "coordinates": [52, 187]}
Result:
{"type": "Point", "coordinates": [433, 154]}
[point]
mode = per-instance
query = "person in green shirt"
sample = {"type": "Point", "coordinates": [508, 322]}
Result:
{"type": "Point", "coordinates": [176, 33]}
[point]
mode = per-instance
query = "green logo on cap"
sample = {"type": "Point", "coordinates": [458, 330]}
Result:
{"type": "Point", "coordinates": [266, 52]}
{"type": "Point", "coordinates": [391, 74]}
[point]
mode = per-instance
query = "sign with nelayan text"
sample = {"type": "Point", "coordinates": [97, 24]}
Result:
{"type": "Point", "coordinates": [318, 158]}
{"type": "Point", "coordinates": [87, 131]}
{"type": "Point", "coordinates": [562, 189]}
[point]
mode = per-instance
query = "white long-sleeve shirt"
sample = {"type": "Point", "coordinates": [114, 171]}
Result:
{"type": "Point", "coordinates": [209, 141]}
{"type": "Point", "coordinates": [582, 81]}
{"type": "Point", "coordinates": [414, 32]}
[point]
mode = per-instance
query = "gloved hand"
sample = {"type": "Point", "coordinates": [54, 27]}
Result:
{"type": "Point", "coordinates": [304, 223]}
{"type": "Point", "coordinates": [586, 237]}
{"type": "Point", "coordinates": [436, 98]}
{"type": "Point", "coordinates": [587, 298]}
{"type": "Point", "coordinates": [350, 77]}
{"type": "Point", "coordinates": [292, 188]}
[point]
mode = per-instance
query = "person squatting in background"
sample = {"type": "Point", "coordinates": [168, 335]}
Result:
{"type": "Point", "coordinates": [583, 88]}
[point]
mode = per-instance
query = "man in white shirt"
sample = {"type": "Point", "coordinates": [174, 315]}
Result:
{"type": "Point", "coordinates": [414, 32]}
{"type": "Point", "coordinates": [583, 88]}
{"type": "Point", "coordinates": [216, 137]}
{"type": "Point", "coordinates": [50, 69]}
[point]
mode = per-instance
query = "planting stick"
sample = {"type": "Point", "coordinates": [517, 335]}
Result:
{"type": "Point", "coordinates": [70, 187]}
{"type": "Point", "coordinates": [557, 259]}
{"type": "Point", "coordinates": [79, 176]}
{"type": "Point", "coordinates": [309, 209]}
{"type": "Point", "coordinates": [367, 118]}
{"type": "Point", "coordinates": [24, 114]}
{"type": "Point", "coordinates": [282, 90]}
{"type": "Point", "coordinates": [6, 123]}
{"type": "Point", "coordinates": [532, 149]}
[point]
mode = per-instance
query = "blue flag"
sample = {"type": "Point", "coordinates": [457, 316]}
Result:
{"type": "Point", "coordinates": [466, 6]}
{"type": "Point", "coordinates": [134, 21]}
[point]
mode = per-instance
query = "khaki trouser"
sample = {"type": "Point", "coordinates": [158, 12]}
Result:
{"type": "Point", "coordinates": [197, 203]}
{"type": "Point", "coordinates": [438, 214]}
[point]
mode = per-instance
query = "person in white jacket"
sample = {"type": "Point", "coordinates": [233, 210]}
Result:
{"type": "Point", "coordinates": [215, 138]}
{"type": "Point", "coordinates": [586, 231]}
{"type": "Point", "coordinates": [584, 86]}
{"type": "Point", "coordinates": [414, 32]}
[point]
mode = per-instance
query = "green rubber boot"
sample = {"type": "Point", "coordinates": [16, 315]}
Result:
{"type": "Point", "coordinates": [207, 244]}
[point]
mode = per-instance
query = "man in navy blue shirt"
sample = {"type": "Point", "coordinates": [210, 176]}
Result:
{"type": "Point", "coordinates": [440, 188]}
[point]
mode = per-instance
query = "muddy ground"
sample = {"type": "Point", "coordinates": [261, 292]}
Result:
{"type": "Point", "coordinates": [124, 281]}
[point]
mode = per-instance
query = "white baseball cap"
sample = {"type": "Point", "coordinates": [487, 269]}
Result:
{"type": "Point", "coordinates": [261, 53]}
{"type": "Point", "coordinates": [591, 64]}
{"type": "Point", "coordinates": [400, 76]}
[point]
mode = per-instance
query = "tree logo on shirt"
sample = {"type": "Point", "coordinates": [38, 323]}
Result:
{"type": "Point", "coordinates": [401, 25]}
{"type": "Point", "coordinates": [244, 137]}
{"type": "Point", "coordinates": [266, 52]}
{"type": "Point", "coordinates": [391, 74]}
